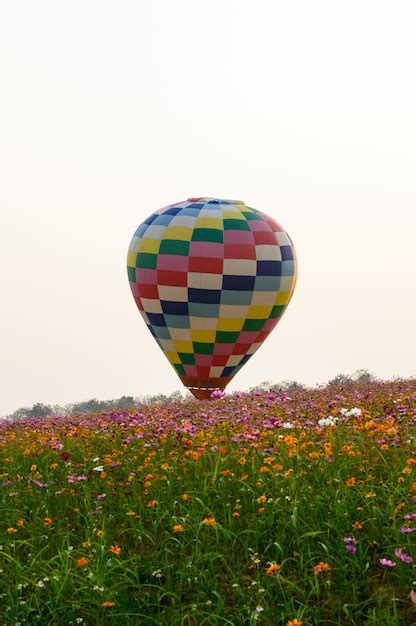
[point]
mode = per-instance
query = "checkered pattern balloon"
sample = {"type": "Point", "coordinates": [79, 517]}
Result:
{"type": "Point", "coordinates": [211, 279]}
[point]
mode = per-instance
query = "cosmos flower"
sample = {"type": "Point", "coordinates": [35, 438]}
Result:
{"type": "Point", "coordinates": [406, 558]}
{"type": "Point", "coordinates": [273, 568]}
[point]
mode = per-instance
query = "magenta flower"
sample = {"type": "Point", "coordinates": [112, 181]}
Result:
{"type": "Point", "coordinates": [103, 495]}
{"type": "Point", "coordinates": [217, 393]}
{"type": "Point", "coordinates": [351, 548]}
{"type": "Point", "coordinates": [406, 558]}
{"type": "Point", "coordinates": [350, 544]}
{"type": "Point", "coordinates": [409, 516]}
{"type": "Point", "coordinates": [407, 529]}
{"type": "Point", "coordinates": [387, 563]}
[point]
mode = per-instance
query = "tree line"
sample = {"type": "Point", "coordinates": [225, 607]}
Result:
{"type": "Point", "coordinates": [94, 405]}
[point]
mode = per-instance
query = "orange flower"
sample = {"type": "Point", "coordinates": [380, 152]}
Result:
{"type": "Point", "coordinates": [20, 522]}
{"type": "Point", "coordinates": [177, 528]}
{"type": "Point", "coordinates": [261, 499]}
{"type": "Point", "coordinates": [11, 531]}
{"type": "Point", "coordinates": [33, 468]}
{"type": "Point", "coordinates": [261, 509]}
{"type": "Point", "coordinates": [115, 550]}
{"type": "Point", "coordinates": [322, 567]}
{"type": "Point", "coordinates": [357, 525]}
{"type": "Point", "coordinates": [185, 497]}
{"type": "Point", "coordinates": [209, 521]}
{"type": "Point", "coordinates": [83, 561]}
{"type": "Point", "coordinates": [294, 622]}
{"type": "Point", "coordinates": [47, 521]}
{"type": "Point", "coordinates": [273, 568]}
{"type": "Point", "coordinates": [350, 482]}
{"type": "Point", "coordinates": [151, 504]}
{"type": "Point", "coordinates": [107, 604]}
{"type": "Point", "coordinates": [236, 514]}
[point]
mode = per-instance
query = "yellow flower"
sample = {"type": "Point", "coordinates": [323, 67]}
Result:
{"type": "Point", "coordinates": [261, 499]}
{"type": "Point", "coordinates": [86, 544]}
{"type": "Point", "coordinates": [209, 521]}
{"type": "Point", "coordinates": [20, 522]}
{"type": "Point", "coordinates": [100, 533]}
{"type": "Point", "coordinates": [130, 513]}
{"type": "Point", "coordinates": [11, 531]}
{"type": "Point", "coordinates": [370, 494]}
{"type": "Point", "coordinates": [273, 568]}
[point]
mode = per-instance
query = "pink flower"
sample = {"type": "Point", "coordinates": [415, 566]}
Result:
{"type": "Point", "coordinates": [407, 529]}
{"type": "Point", "coordinates": [217, 393]}
{"type": "Point", "coordinates": [350, 548]}
{"type": "Point", "coordinates": [76, 479]}
{"type": "Point", "coordinates": [406, 558]}
{"type": "Point", "coordinates": [350, 544]}
{"type": "Point", "coordinates": [387, 563]}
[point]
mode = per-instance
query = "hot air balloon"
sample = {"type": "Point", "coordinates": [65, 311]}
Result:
{"type": "Point", "coordinates": [211, 279]}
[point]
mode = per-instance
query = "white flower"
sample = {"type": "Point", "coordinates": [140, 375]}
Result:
{"type": "Point", "coordinates": [328, 421]}
{"type": "Point", "coordinates": [288, 425]}
{"type": "Point", "coordinates": [99, 468]}
{"type": "Point", "coordinates": [355, 412]}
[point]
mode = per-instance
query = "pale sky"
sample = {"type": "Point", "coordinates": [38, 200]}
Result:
{"type": "Point", "coordinates": [110, 110]}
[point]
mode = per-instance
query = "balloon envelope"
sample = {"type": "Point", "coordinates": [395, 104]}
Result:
{"type": "Point", "coordinates": [211, 279]}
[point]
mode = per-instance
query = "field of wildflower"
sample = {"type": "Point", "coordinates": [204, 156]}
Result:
{"type": "Point", "coordinates": [259, 508]}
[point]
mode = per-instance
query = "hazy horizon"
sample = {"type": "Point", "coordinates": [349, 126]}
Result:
{"type": "Point", "coordinates": [305, 111]}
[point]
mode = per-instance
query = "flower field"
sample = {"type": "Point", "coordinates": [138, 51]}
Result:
{"type": "Point", "coordinates": [260, 508]}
